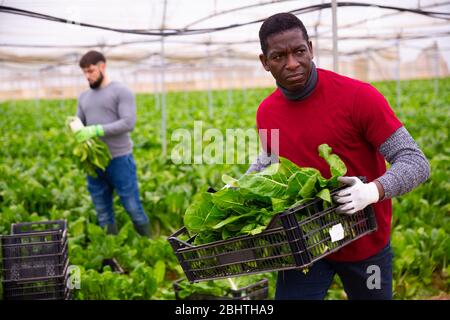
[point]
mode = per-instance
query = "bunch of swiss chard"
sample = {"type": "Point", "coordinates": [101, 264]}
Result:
{"type": "Point", "coordinates": [247, 207]}
{"type": "Point", "coordinates": [91, 154]}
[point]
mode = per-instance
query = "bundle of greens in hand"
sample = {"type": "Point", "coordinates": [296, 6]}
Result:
{"type": "Point", "coordinates": [91, 154]}
{"type": "Point", "coordinates": [247, 207]}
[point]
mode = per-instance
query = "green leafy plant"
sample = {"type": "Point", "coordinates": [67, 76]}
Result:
{"type": "Point", "coordinates": [91, 154]}
{"type": "Point", "coordinates": [249, 205]}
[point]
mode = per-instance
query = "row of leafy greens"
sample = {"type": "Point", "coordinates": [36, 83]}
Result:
{"type": "Point", "coordinates": [248, 206]}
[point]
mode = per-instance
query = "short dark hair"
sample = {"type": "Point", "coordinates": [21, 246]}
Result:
{"type": "Point", "coordinates": [279, 23]}
{"type": "Point", "coordinates": [91, 57]}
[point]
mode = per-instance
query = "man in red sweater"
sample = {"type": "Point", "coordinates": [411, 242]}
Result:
{"type": "Point", "coordinates": [312, 106]}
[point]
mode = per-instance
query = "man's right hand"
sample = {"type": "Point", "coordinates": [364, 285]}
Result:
{"type": "Point", "coordinates": [89, 132]}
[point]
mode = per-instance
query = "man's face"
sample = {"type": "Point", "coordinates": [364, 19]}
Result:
{"type": "Point", "coordinates": [288, 58]}
{"type": "Point", "coordinates": [94, 74]}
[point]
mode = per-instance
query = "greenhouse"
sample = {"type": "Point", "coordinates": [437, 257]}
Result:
{"type": "Point", "coordinates": [224, 150]}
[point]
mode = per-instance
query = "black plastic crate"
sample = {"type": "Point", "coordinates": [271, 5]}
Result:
{"type": "Point", "coordinates": [255, 291]}
{"type": "Point", "coordinates": [35, 261]}
{"type": "Point", "coordinates": [32, 244]}
{"type": "Point", "coordinates": [30, 267]}
{"type": "Point", "coordinates": [294, 239]}
{"type": "Point", "coordinates": [13, 250]}
{"type": "Point", "coordinates": [39, 226]}
{"type": "Point", "coordinates": [243, 255]}
{"type": "Point", "coordinates": [62, 294]}
{"type": "Point", "coordinates": [34, 239]}
{"type": "Point", "coordinates": [45, 288]}
{"type": "Point", "coordinates": [30, 253]}
{"type": "Point", "coordinates": [315, 231]}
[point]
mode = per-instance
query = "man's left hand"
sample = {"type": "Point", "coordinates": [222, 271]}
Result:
{"type": "Point", "coordinates": [357, 196]}
{"type": "Point", "coordinates": [89, 132]}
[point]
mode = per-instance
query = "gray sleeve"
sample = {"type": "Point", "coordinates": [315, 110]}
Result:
{"type": "Point", "coordinates": [409, 166]}
{"type": "Point", "coordinates": [80, 113]}
{"type": "Point", "coordinates": [262, 161]}
{"type": "Point", "coordinates": [126, 109]}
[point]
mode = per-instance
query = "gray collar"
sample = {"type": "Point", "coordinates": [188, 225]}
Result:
{"type": "Point", "coordinates": [306, 90]}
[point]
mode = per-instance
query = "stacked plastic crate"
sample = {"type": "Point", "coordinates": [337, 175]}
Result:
{"type": "Point", "coordinates": [255, 291]}
{"type": "Point", "coordinates": [35, 261]}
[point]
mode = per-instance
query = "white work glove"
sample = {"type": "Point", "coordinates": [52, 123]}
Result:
{"type": "Point", "coordinates": [356, 197]}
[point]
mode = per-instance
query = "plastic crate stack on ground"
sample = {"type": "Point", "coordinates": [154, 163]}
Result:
{"type": "Point", "coordinates": [255, 291]}
{"type": "Point", "coordinates": [35, 261]}
{"type": "Point", "coordinates": [294, 239]}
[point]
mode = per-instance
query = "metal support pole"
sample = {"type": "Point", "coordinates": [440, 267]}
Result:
{"type": "Point", "coordinates": [316, 48]}
{"type": "Point", "coordinates": [436, 65]}
{"type": "Point", "coordinates": [38, 89]}
{"type": "Point", "coordinates": [210, 79]}
{"type": "Point", "coordinates": [61, 97]}
{"type": "Point", "coordinates": [397, 76]}
{"type": "Point", "coordinates": [230, 82]}
{"type": "Point", "coordinates": [335, 36]}
{"type": "Point", "coordinates": [163, 90]}
{"type": "Point", "coordinates": [156, 92]}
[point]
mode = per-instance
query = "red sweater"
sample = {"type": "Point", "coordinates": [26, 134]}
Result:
{"type": "Point", "coordinates": [354, 119]}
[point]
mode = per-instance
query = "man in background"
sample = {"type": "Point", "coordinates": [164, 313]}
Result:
{"type": "Point", "coordinates": [108, 111]}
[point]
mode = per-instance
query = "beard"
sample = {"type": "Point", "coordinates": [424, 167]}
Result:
{"type": "Point", "coordinates": [97, 83]}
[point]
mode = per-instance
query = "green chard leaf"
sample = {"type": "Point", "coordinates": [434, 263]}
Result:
{"type": "Point", "coordinates": [337, 166]}
{"type": "Point", "coordinates": [269, 182]}
{"type": "Point", "coordinates": [202, 213]}
{"type": "Point", "coordinates": [230, 199]}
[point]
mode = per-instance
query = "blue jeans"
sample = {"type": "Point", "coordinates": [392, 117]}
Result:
{"type": "Point", "coordinates": [120, 175]}
{"type": "Point", "coordinates": [358, 278]}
